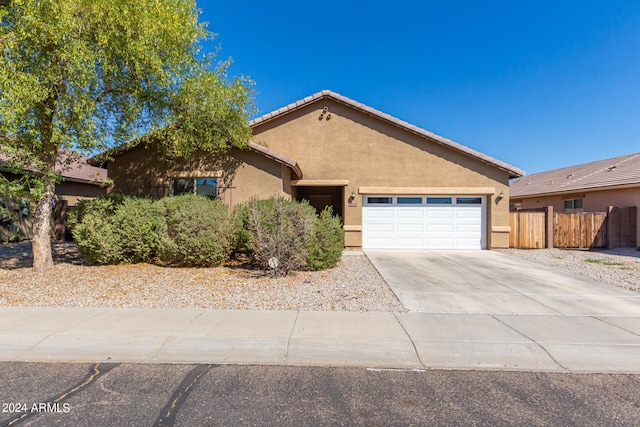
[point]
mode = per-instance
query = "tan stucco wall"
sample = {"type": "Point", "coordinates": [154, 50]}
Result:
{"type": "Point", "coordinates": [350, 148]}
{"type": "Point", "coordinates": [594, 201]}
{"type": "Point", "coordinates": [241, 174]}
{"type": "Point", "coordinates": [367, 152]}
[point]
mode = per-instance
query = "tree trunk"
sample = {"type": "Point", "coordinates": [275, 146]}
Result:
{"type": "Point", "coordinates": [42, 258]}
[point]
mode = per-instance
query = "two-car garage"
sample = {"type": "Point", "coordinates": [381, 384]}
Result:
{"type": "Point", "coordinates": [424, 222]}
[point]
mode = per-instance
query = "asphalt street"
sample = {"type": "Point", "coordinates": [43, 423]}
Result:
{"type": "Point", "coordinates": [201, 395]}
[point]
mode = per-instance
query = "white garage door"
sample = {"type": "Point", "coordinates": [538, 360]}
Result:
{"type": "Point", "coordinates": [424, 222]}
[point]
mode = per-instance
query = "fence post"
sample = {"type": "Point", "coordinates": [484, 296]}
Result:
{"type": "Point", "coordinates": [628, 226]}
{"type": "Point", "coordinates": [548, 211]}
{"type": "Point", "coordinates": [613, 227]}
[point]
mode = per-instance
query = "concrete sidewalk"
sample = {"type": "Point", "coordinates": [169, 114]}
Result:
{"type": "Point", "coordinates": [382, 340]}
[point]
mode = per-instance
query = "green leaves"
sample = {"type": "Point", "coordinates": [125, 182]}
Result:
{"type": "Point", "coordinates": [91, 74]}
{"type": "Point", "coordinates": [209, 114]}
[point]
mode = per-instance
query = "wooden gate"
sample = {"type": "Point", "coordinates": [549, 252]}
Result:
{"type": "Point", "coordinates": [527, 230]}
{"type": "Point", "coordinates": [580, 230]}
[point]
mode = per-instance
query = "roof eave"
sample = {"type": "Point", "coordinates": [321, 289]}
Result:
{"type": "Point", "coordinates": [513, 171]}
{"type": "Point", "coordinates": [278, 157]}
{"type": "Point", "coordinates": [576, 190]}
{"type": "Point", "coordinates": [85, 181]}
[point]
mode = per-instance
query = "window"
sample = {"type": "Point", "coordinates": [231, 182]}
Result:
{"type": "Point", "coordinates": [439, 200]}
{"type": "Point", "coordinates": [183, 186]}
{"type": "Point", "coordinates": [379, 200]}
{"type": "Point", "coordinates": [409, 200]}
{"type": "Point", "coordinates": [207, 187]}
{"type": "Point", "coordinates": [573, 205]}
{"type": "Point", "coordinates": [469, 200]}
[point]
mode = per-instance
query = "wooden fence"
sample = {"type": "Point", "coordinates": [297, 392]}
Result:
{"type": "Point", "coordinates": [580, 230]}
{"type": "Point", "coordinates": [527, 230]}
{"type": "Point", "coordinates": [542, 228]}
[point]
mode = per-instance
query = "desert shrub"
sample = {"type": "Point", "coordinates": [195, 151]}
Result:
{"type": "Point", "coordinates": [325, 247]}
{"type": "Point", "coordinates": [116, 229]}
{"type": "Point", "coordinates": [242, 235]}
{"type": "Point", "coordinates": [198, 231]}
{"type": "Point", "coordinates": [139, 227]}
{"type": "Point", "coordinates": [101, 204]}
{"type": "Point", "coordinates": [280, 228]}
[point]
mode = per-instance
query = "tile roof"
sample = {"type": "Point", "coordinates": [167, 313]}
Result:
{"type": "Point", "coordinates": [513, 171]}
{"type": "Point", "coordinates": [280, 158]}
{"type": "Point", "coordinates": [619, 171]}
{"type": "Point", "coordinates": [80, 170]}
{"type": "Point", "coordinates": [77, 170]}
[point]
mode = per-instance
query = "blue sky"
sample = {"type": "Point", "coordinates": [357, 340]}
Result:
{"type": "Point", "coordinates": [538, 84]}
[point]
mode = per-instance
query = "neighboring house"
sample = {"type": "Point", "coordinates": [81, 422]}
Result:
{"type": "Point", "coordinates": [80, 181]}
{"type": "Point", "coordinates": [590, 187]}
{"type": "Point", "coordinates": [393, 184]}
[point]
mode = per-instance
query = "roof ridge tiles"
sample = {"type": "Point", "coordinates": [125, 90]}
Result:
{"type": "Point", "coordinates": [621, 170]}
{"type": "Point", "coordinates": [622, 160]}
{"type": "Point", "coordinates": [513, 171]}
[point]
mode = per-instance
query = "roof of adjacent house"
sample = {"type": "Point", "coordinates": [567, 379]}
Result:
{"type": "Point", "coordinates": [615, 172]}
{"type": "Point", "coordinates": [74, 167]}
{"type": "Point", "coordinates": [513, 171]}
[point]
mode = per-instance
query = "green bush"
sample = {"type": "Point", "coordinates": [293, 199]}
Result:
{"type": "Point", "coordinates": [139, 227]}
{"type": "Point", "coordinates": [198, 231]}
{"type": "Point", "coordinates": [325, 247]}
{"type": "Point", "coordinates": [280, 228]}
{"type": "Point", "coordinates": [116, 229]}
{"type": "Point", "coordinates": [241, 227]}
{"type": "Point", "coordinates": [103, 204]}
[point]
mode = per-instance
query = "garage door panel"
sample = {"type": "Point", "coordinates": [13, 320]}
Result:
{"type": "Point", "coordinates": [440, 228]}
{"type": "Point", "coordinates": [410, 228]}
{"type": "Point", "coordinates": [476, 213]}
{"type": "Point", "coordinates": [410, 242]}
{"type": "Point", "coordinates": [467, 228]}
{"type": "Point", "coordinates": [410, 214]}
{"type": "Point", "coordinates": [400, 224]}
{"type": "Point", "coordinates": [439, 213]}
{"type": "Point", "coordinates": [467, 243]}
{"type": "Point", "coordinates": [380, 213]}
{"type": "Point", "coordinates": [439, 244]}
{"type": "Point", "coordinates": [380, 227]}
{"type": "Point", "coordinates": [380, 242]}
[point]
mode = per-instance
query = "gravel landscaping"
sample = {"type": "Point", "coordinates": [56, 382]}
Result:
{"type": "Point", "coordinates": [618, 267]}
{"type": "Point", "coordinates": [353, 285]}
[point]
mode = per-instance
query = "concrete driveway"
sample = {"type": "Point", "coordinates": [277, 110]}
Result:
{"type": "Point", "coordinates": [488, 282]}
{"type": "Point", "coordinates": [485, 309]}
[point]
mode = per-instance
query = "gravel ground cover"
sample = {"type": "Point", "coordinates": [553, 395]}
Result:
{"type": "Point", "coordinates": [353, 285]}
{"type": "Point", "coordinates": [619, 267]}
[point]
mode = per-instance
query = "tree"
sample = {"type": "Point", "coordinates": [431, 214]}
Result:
{"type": "Point", "coordinates": [91, 74]}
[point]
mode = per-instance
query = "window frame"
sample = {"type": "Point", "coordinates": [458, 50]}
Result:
{"type": "Point", "coordinates": [194, 185]}
{"type": "Point", "coordinates": [378, 200]}
{"type": "Point", "coordinates": [409, 200]}
{"type": "Point", "coordinates": [573, 207]}
{"type": "Point", "coordinates": [441, 201]}
{"type": "Point", "coordinates": [469, 200]}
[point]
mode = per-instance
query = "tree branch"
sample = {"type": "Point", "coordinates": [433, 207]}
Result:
{"type": "Point", "coordinates": [109, 92]}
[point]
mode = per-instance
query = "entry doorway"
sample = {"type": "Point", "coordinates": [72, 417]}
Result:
{"type": "Point", "coordinates": [323, 196]}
